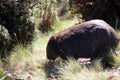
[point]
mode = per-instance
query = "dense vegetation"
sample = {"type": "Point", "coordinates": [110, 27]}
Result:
{"type": "Point", "coordinates": [107, 10]}
{"type": "Point", "coordinates": [26, 26]}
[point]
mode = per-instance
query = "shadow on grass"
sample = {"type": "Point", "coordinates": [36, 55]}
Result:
{"type": "Point", "coordinates": [51, 70]}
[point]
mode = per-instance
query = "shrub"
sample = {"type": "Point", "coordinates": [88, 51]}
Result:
{"type": "Point", "coordinates": [107, 10]}
{"type": "Point", "coordinates": [48, 11]}
{"type": "Point", "coordinates": [14, 15]}
{"type": "Point", "coordinates": [47, 15]}
{"type": "Point", "coordinates": [5, 42]}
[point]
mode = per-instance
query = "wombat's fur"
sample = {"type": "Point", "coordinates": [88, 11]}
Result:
{"type": "Point", "coordinates": [87, 40]}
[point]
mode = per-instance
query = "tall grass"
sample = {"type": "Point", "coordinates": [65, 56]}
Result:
{"type": "Point", "coordinates": [31, 62]}
{"type": "Point", "coordinates": [72, 70]}
{"type": "Point", "coordinates": [1, 70]}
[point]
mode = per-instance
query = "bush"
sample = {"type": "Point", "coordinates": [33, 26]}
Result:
{"type": "Point", "coordinates": [5, 42]}
{"type": "Point", "coordinates": [14, 15]}
{"type": "Point", "coordinates": [48, 11]}
{"type": "Point", "coordinates": [107, 10]}
{"type": "Point", "coordinates": [47, 15]}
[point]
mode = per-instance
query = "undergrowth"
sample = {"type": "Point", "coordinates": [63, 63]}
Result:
{"type": "Point", "coordinates": [30, 63]}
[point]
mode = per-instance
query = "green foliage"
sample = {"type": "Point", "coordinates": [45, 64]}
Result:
{"type": "Point", "coordinates": [98, 9]}
{"type": "Point", "coordinates": [14, 15]}
{"type": "Point", "coordinates": [5, 42]}
{"type": "Point", "coordinates": [46, 14]}
{"type": "Point", "coordinates": [111, 59]}
{"type": "Point", "coordinates": [63, 24]}
{"type": "Point", "coordinates": [81, 7]}
{"type": "Point", "coordinates": [1, 73]}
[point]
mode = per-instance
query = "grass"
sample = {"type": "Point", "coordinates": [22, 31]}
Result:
{"type": "Point", "coordinates": [30, 63]}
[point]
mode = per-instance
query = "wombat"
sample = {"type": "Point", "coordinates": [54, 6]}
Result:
{"type": "Point", "coordinates": [89, 39]}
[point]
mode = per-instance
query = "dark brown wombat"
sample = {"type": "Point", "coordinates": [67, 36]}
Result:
{"type": "Point", "coordinates": [87, 40]}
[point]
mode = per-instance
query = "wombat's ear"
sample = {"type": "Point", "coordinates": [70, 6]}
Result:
{"type": "Point", "coordinates": [53, 37]}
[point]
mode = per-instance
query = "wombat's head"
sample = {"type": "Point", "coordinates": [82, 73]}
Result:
{"type": "Point", "coordinates": [51, 49]}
